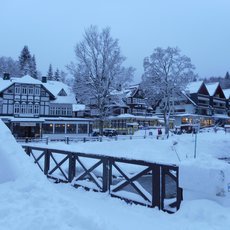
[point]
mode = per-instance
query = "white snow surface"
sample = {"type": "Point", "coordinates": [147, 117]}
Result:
{"type": "Point", "coordinates": [29, 201]}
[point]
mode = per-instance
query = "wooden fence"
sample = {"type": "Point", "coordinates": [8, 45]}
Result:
{"type": "Point", "coordinates": [69, 140]}
{"type": "Point", "coordinates": [135, 181]}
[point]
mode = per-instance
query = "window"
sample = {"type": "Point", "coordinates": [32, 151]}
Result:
{"type": "Point", "coordinates": [71, 128]}
{"type": "Point", "coordinates": [31, 91]}
{"type": "Point", "coordinates": [16, 108]}
{"type": "Point", "coordinates": [63, 111]}
{"type": "Point", "coordinates": [37, 91]}
{"type": "Point", "coordinates": [36, 109]}
{"type": "Point", "coordinates": [30, 108]}
{"type": "Point", "coordinates": [52, 110]}
{"type": "Point", "coordinates": [59, 128]}
{"type": "Point", "coordinates": [24, 90]}
{"type": "Point", "coordinates": [47, 128]}
{"type": "Point", "coordinates": [69, 111]}
{"type": "Point", "coordinates": [82, 128]}
{"type": "Point", "coordinates": [23, 108]}
{"type": "Point", "coordinates": [17, 89]}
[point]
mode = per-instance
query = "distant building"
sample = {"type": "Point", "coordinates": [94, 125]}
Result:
{"type": "Point", "coordinates": [199, 104]}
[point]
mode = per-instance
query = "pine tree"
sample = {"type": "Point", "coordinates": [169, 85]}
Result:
{"type": "Point", "coordinates": [50, 73]}
{"type": "Point", "coordinates": [57, 76]}
{"type": "Point", "coordinates": [25, 61]}
{"type": "Point", "coordinates": [227, 76]}
{"type": "Point", "coordinates": [33, 68]}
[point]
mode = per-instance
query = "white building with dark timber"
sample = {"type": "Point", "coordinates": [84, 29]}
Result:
{"type": "Point", "coordinates": [34, 108]}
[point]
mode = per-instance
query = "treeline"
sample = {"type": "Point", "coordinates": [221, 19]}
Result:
{"type": "Point", "coordinates": [26, 65]}
{"type": "Point", "coordinates": [224, 81]}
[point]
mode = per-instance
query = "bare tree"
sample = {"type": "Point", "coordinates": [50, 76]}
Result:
{"type": "Point", "coordinates": [166, 73]}
{"type": "Point", "coordinates": [99, 69]}
{"type": "Point", "coordinates": [8, 65]}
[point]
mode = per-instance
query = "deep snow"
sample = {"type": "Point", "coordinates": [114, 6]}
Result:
{"type": "Point", "coordinates": [29, 201]}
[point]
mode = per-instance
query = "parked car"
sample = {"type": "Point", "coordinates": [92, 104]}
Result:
{"type": "Point", "coordinates": [110, 132]}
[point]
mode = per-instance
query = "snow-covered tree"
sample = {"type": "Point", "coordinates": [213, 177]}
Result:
{"type": "Point", "coordinates": [33, 68]}
{"type": "Point", "coordinates": [57, 76]}
{"type": "Point", "coordinates": [8, 65]}
{"type": "Point", "coordinates": [50, 74]}
{"type": "Point", "coordinates": [98, 69]}
{"type": "Point", "coordinates": [166, 73]}
{"type": "Point", "coordinates": [25, 61]}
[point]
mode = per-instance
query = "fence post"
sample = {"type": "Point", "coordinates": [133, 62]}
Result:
{"type": "Point", "coordinates": [47, 161]}
{"type": "Point", "coordinates": [47, 140]}
{"type": "Point", "coordinates": [67, 140]}
{"type": "Point", "coordinates": [72, 167]}
{"type": "Point", "coordinates": [130, 138]}
{"type": "Point", "coordinates": [106, 175]}
{"type": "Point", "coordinates": [27, 150]}
{"type": "Point", "coordinates": [156, 186]}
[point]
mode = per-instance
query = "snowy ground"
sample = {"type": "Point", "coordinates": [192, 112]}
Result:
{"type": "Point", "coordinates": [29, 201]}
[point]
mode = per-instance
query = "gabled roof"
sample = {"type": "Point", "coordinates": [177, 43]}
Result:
{"type": "Point", "coordinates": [55, 87]}
{"type": "Point", "coordinates": [25, 79]}
{"type": "Point", "coordinates": [212, 87]}
{"type": "Point", "coordinates": [194, 87]}
{"type": "Point", "coordinates": [227, 93]}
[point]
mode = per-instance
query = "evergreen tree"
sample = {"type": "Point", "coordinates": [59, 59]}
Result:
{"type": "Point", "coordinates": [33, 68]}
{"type": "Point", "coordinates": [227, 76]}
{"type": "Point", "coordinates": [50, 73]}
{"type": "Point", "coordinates": [25, 61]}
{"type": "Point", "coordinates": [57, 76]}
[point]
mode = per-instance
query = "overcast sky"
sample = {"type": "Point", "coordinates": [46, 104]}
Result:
{"type": "Point", "coordinates": [51, 29]}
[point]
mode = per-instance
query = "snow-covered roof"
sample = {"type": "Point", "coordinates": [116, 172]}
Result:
{"type": "Point", "coordinates": [55, 87]}
{"type": "Point", "coordinates": [193, 87]}
{"type": "Point", "coordinates": [25, 79]}
{"type": "Point", "coordinates": [227, 93]}
{"type": "Point", "coordinates": [211, 87]}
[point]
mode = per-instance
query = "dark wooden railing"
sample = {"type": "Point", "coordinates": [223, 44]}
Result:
{"type": "Point", "coordinates": [135, 181]}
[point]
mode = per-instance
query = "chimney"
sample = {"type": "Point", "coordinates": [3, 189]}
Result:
{"type": "Point", "coordinates": [6, 76]}
{"type": "Point", "coordinates": [44, 79]}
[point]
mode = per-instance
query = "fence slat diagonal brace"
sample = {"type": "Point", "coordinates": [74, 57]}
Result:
{"type": "Point", "coordinates": [58, 165]}
{"type": "Point", "coordinates": [89, 172]}
{"type": "Point", "coordinates": [131, 181]}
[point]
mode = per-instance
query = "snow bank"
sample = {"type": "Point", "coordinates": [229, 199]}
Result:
{"type": "Point", "coordinates": [13, 161]}
{"type": "Point", "coordinates": [200, 182]}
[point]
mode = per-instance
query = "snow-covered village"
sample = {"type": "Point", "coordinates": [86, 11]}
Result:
{"type": "Point", "coordinates": [114, 115]}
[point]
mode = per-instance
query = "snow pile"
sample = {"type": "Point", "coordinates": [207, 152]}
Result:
{"type": "Point", "coordinates": [29, 201]}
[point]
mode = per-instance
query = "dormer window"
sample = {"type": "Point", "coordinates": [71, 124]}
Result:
{"type": "Point", "coordinates": [62, 93]}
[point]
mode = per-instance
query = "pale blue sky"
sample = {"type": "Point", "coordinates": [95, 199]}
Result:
{"type": "Point", "coordinates": [51, 29]}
